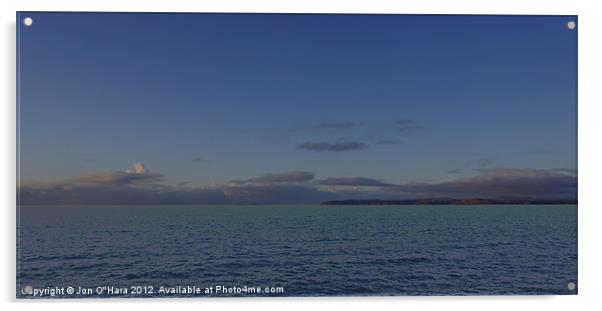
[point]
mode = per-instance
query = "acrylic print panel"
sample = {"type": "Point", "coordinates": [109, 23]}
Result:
{"type": "Point", "coordinates": [219, 155]}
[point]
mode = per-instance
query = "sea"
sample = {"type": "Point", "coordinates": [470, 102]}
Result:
{"type": "Point", "coordinates": [295, 250]}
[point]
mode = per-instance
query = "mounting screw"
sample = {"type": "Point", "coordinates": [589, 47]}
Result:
{"type": "Point", "coordinates": [27, 21]}
{"type": "Point", "coordinates": [571, 25]}
{"type": "Point", "coordinates": [571, 286]}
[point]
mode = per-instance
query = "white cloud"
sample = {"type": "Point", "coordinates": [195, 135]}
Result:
{"type": "Point", "coordinates": [137, 168]}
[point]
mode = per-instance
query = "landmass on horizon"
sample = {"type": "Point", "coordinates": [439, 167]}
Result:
{"type": "Point", "coordinates": [445, 201]}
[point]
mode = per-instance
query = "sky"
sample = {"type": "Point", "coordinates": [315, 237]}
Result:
{"type": "Point", "coordinates": [294, 108]}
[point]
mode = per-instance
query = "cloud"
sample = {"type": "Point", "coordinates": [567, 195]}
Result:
{"type": "Point", "coordinates": [286, 177]}
{"type": "Point", "coordinates": [140, 186]}
{"type": "Point", "coordinates": [117, 178]}
{"type": "Point", "coordinates": [355, 135]}
{"type": "Point", "coordinates": [137, 174]}
{"type": "Point", "coordinates": [501, 183]}
{"type": "Point", "coordinates": [137, 168]}
{"type": "Point", "coordinates": [354, 181]}
{"type": "Point", "coordinates": [333, 147]}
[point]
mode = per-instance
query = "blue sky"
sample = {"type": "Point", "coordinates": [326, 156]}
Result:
{"type": "Point", "coordinates": [205, 99]}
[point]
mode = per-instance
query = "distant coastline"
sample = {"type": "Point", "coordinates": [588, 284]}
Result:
{"type": "Point", "coordinates": [475, 201]}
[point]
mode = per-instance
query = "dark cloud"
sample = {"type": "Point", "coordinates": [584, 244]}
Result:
{"type": "Point", "coordinates": [117, 178]}
{"type": "Point", "coordinates": [286, 177]}
{"type": "Point", "coordinates": [501, 183]}
{"type": "Point", "coordinates": [333, 147]}
{"type": "Point", "coordinates": [354, 181]}
{"type": "Point", "coordinates": [351, 135]}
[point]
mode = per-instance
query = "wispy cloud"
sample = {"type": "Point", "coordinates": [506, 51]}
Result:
{"type": "Point", "coordinates": [341, 136]}
{"type": "Point", "coordinates": [117, 178]}
{"type": "Point", "coordinates": [286, 177]}
{"type": "Point", "coordinates": [355, 182]}
{"type": "Point", "coordinates": [333, 147]}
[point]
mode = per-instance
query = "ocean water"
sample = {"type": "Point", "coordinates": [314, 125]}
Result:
{"type": "Point", "coordinates": [296, 250]}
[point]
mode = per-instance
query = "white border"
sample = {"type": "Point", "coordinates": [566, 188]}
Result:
{"type": "Point", "coordinates": [589, 25]}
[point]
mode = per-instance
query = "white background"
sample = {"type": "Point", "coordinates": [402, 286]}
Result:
{"type": "Point", "coordinates": [590, 135]}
